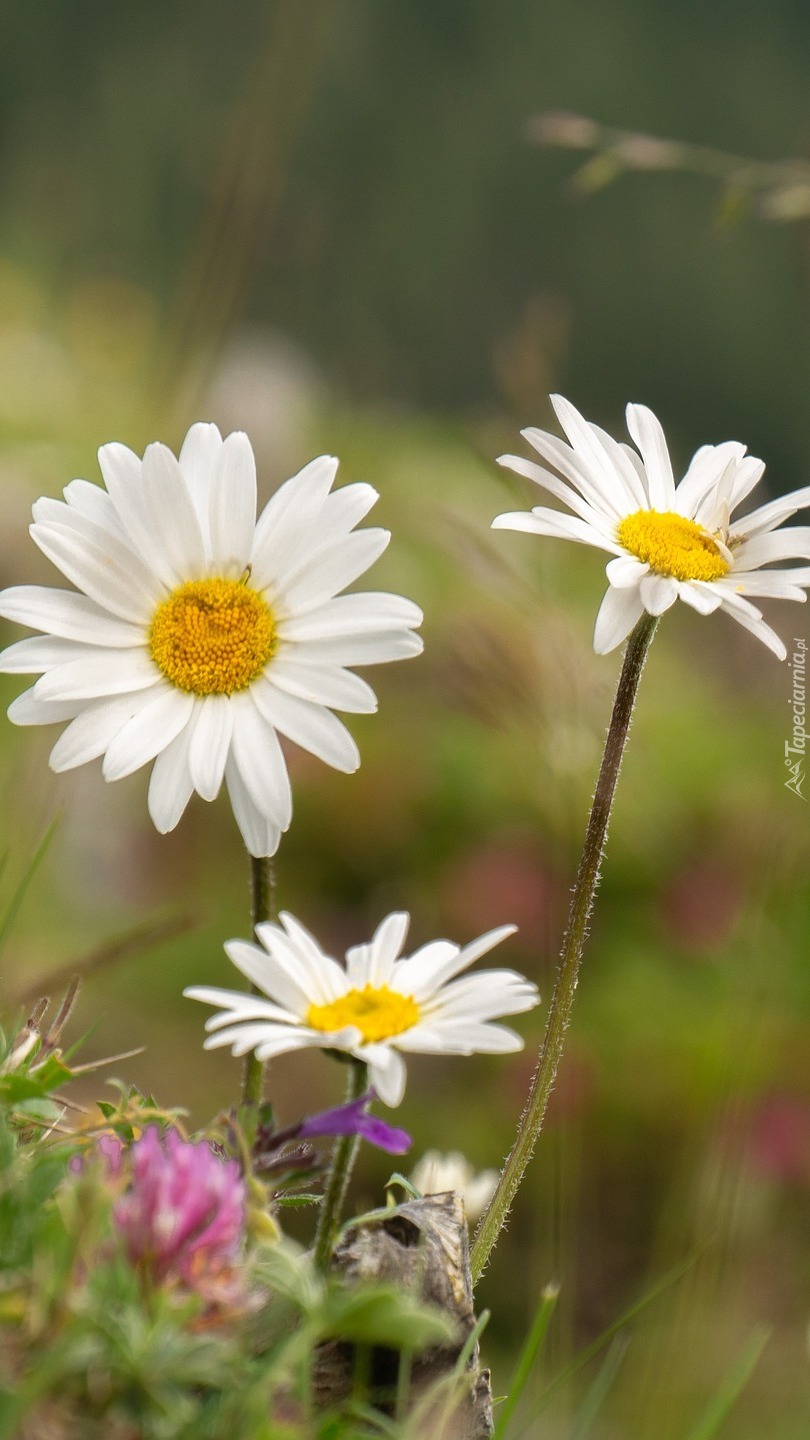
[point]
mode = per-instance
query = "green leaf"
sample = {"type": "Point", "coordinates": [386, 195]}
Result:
{"type": "Point", "coordinates": [382, 1315]}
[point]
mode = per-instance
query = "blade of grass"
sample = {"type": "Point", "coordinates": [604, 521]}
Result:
{"type": "Point", "coordinates": [527, 1357]}
{"type": "Point", "coordinates": [15, 903]}
{"type": "Point", "coordinates": [670, 1278]}
{"type": "Point", "coordinates": [733, 1384]}
{"type": "Point", "coordinates": [598, 1391]}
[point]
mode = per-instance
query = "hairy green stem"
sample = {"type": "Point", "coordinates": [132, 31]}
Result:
{"type": "Point", "coordinates": [340, 1171]}
{"type": "Point", "coordinates": [562, 1000]}
{"type": "Point", "coordinates": [262, 907]}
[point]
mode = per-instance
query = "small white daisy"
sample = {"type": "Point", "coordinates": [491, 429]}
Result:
{"type": "Point", "coordinates": [671, 542]}
{"type": "Point", "coordinates": [197, 635]}
{"type": "Point", "coordinates": [436, 1173]}
{"type": "Point", "coordinates": [374, 1007]}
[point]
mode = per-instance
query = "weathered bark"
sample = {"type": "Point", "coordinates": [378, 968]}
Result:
{"type": "Point", "coordinates": [421, 1247]}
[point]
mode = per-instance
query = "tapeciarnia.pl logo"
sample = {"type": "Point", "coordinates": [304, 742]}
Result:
{"type": "Point", "coordinates": [795, 748]}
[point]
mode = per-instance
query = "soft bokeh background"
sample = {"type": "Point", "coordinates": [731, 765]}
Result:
{"type": "Point", "coordinates": [323, 223]}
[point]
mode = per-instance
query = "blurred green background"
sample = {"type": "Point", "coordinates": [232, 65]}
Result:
{"type": "Point", "coordinates": [324, 223]}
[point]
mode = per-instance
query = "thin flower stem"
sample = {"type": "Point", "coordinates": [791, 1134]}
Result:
{"type": "Point", "coordinates": [340, 1171]}
{"type": "Point", "coordinates": [262, 907]}
{"type": "Point", "coordinates": [562, 1000]}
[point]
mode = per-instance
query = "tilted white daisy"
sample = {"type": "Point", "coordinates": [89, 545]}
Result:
{"type": "Point", "coordinates": [197, 635]}
{"type": "Point", "coordinates": [436, 1173]}
{"type": "Point", "coordinates": [375, 1007]}
{"type": "Point", "coordinates": [670, 542]}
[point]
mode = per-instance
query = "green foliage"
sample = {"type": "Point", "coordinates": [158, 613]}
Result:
{"type": "Point", "coordinates": [86, 1340]}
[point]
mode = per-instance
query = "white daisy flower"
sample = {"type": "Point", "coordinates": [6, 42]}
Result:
{"type": "Point", "coordinates": [197, 635]}
{"type": "Point", "coordinates": [670, 542]}
{"type": "Point", "coordinates": [436, 1173]}
{"type": "Point", "coordinates": [374, 1007]}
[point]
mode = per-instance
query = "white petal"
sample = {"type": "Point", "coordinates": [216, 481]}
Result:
{"type": "Point", "coordinates": [149, 731]}
{"type": "Point", "coordinates": [645, 429]}
{"type": "Point", "coordinates": [40, 653]}
{"type": "Point", "coordinates": [328, 979]}
{"type": "Point", "coordinates": [457, 1037]}
{"type": "Point", "coordinates": [619, 612]}
{"type": "Point", "coordinates": [198, 459]}
{"type": "Point", "coordinates": [373, 964]}
{"type": "Point", "coordinates": [764, 549]}
{"type": "Point", "coordinates": [658, 592]}
{"type": "Point", "coordinates": [702, 477]}
{"type": "Point", "coordinates": [625, 572]}
{"type": "Point", "coordinates": [63, 612]}
{"type": "Point", "coordinates": [311, 726]}
{"type": "Point", "coordinates": [103, 568]}
{"type": "Point", "coordinates": [259, 758]}
{"type": "Point", "coordinates": [93, 503]}
{"type": "Point", "coordinates": [238, 1006]}
{"type": "Point", "coordinates": [629, 465]}
{"type": "Point", "coordinates": [343, 509]}
{"type": "Point", "coordinates": [28, 709]}
{"type": "Point", "coordinates": [91, 732]}
{"type": "Point", "coordinates": [773, 513]}
{"type": "Point", "coordinates": [210, 743]}
{"type": "Point", "coordinates": [387, 1072]}
{"type": "Point", "coordinates": [263, 1036]}
{"type": "Point", "coordinates": [287, 515]}
{"type": "Point", "coordinates": [749, 472]}
{"type": "Point", "coordinates": [423, 974]}
{"type": "Point", "coordinates": [702, 596]}
{"type": "Point", "coordinates": [175, 539]}
{"type": "Point", "coordinates": [124, 476]}
{"type": "Point", "coordinates": [352, 615]}
{"type": "Point", "coordinates": [261, 835]}
{"type": "Point", "coordinates": [233, 505]}
{"type": "Point", "coordinates": [602, 481]}
{"type": "Point", "coordinates": [713, 510]}
{"type": "Point", "coordinates": [325, 685]}
{"type": "Point", "coordinates": [170, 784]}
{"type": "Point", "coordinates": [483, 996]}
{"type": "Point", "coordinates": [559, 525]}
{"type": "Point", "coordinates": [324, 573]}
{"type": "Point", "coordinates": [561, 491]}
{"type": "Point", "coordinates": [762, 631]}
{"type": "Point", "coordinates": [368, 649]}
{"type": "Point", "coordinates": [272, 978]}
{"type": "Point", "coordinates": [100, 673]}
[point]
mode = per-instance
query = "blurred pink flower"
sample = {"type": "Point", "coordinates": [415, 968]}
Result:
{"type": "Point", "coordinates": [779, 1139]}
{"type": "Point", "coordinates": [182, 1215]}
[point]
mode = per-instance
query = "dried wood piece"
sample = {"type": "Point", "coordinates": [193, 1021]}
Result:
{"type": "Point", "coordinates": [420, 1247]}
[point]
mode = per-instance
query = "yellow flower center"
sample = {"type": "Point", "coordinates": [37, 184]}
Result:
{"type": "Point", "coordinates": [212, 637]}
{"type": "Point", "coordinates": [672, 545]}
{"type": "Point", "coordinates": [377, 1012]}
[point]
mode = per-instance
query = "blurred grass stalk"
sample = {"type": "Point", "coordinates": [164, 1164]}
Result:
{"type": "Point", "coordinates": [562, 1000]}
{"type": "Point", "coordinates": [778, 189]}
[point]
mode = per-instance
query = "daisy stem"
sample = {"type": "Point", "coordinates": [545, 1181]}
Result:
{"type": "Point", "coordinates": [262, 907]}
{"type": "Point", "coordinates": [562, 1000]}
{"type": "Point", "coordinates": [340, 1171]}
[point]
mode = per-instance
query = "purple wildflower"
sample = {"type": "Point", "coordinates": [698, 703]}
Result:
{"type": "Point", "coordinates": [354, 1119]}
{"type": "Point", "coordinates": [182, 1215]}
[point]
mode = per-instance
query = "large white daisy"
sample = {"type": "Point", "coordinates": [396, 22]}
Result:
{"type": "Point", "coordinates": [197, 635]}
{"type": "Point", "coordinates": [670, 542]}
{"type": "Point", "coordinates": [374, 1007]}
